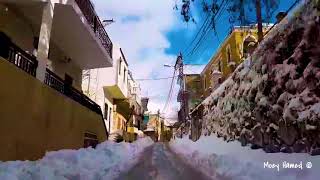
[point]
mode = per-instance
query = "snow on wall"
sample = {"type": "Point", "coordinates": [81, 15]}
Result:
{"type": "Point", "coordinates": [104, 162]}
{"type": "Point", "coordinates": [272, 100]}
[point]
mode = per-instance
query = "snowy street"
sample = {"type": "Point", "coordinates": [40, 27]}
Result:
{"type": "Point", "coordinates": [208, 158]}
{"type": "Point", "coordinates": [159, 162]}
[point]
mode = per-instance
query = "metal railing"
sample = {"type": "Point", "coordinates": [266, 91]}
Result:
{"type": "Point", "coordinates": [19, 57]}
{"type": "Point", "coordinates": [84, 100]}
{"type": "Point", "coordinates": [57, 83]}
{"type": "Point", "coordinates": [92, 18]}
{"type": "Point", "coordinates": [54, 81]}
{"type": "Point", "coordinates": [103, 36]}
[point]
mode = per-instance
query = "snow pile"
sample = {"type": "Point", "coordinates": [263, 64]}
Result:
{"type": "Point", "coordinates": [272, 100]}
{"type": "Point", "coordinates": [104, 162]}
{"type": "Point", "coordinates": [217, 158]}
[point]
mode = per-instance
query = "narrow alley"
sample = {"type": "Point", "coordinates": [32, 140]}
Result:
{"type": "Point", "coordinates": [160, 89]}
{"type": "Point", "coordinates": [160, 162]}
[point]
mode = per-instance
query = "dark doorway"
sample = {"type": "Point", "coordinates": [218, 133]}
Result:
{"type": "Point", "coordinates": [68, 80]}
{"type": "Point", "coordinates": [4, 45]}
{"type": "Point", "coordinates": [67, 84]}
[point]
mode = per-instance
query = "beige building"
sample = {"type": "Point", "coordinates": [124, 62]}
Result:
{"type": "Point", "coordinates": [115, 90]}
{"type": "Point", "coordinates": [44, 47]}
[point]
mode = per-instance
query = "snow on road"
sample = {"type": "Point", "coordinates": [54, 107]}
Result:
{"type": "Point", "coordinates": [160, 163]}
{"type": "Point", "coordinates": [104, 162]}
{"type": "Point", "coordinates": [208, 158]}
{"type": "Point", "coordinates": [213, 155]}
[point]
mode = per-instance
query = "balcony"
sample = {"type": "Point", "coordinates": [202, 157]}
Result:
{"type": "Point", "coordinates": [78, 31]}
{"type": "Point", "coordinates": [57, 83]}
{"type": "Point", "coordinates": [74, 25]}
{"type": "Point", "coordinates": [28, 63]}
{"type": "Point", "coordinates": [118, 77]}
{"type": "Point", "coordinates": [95, 23]}
{"type": "Point", "coordinates": [18, 57]}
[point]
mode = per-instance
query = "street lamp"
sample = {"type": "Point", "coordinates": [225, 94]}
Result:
{"type": "Point", "coordinates": [107, 22]}
{"type": "Point", "coordinates": [167, 65]}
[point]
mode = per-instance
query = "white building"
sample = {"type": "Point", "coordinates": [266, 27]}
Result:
{"type": "Point", "coordinates": [108, 87]}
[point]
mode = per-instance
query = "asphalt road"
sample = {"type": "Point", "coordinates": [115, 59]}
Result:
{"type": "Point", "coordinates": [160, 163]}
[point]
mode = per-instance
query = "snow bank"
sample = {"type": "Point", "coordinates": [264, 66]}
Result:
{"type": "Point", "coordinates": [104, 162]}
{"type": "Point", "coordinates": [214, 156]}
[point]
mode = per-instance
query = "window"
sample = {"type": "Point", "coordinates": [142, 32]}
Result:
{"type": "Point", "coordinates": [228, 54]}
{"type": "Point", "coordinates": [120, 66]}
{"type": "Point", "coordinates": [249, 44]}
{"type": "Point", "coordinates": [110, 114]}
{"type": "Point", "coordinates": [90, 139]}
{"type": "Point", "coordinates": [124, 75]}
{"type": "Point", "coordinates": [220, 65]}
{"type": "Point", "coordinates": [68, 79]}
{"type": "Point", "coordinates": [106, 111]}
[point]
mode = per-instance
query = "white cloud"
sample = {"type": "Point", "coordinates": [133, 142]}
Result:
{"type": "Point", "coordinates": [143, 41]}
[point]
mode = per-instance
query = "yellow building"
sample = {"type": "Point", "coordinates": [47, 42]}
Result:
{"type": "Point", "coordinates": [152, 126]}
{"type": "Point", "coordinates": [44, 47]}
{"type": "Point", "coordinates": [231, 53]}
{"type": "Point", "coordinates": [194, 89]}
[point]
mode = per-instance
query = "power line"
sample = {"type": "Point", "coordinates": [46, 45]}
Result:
{"type": "Point", "coordinates": [163, 78]}
{"type": "Point", "coordinates": [288, 10]}
{"type": "Point", "coordinates": [195, 37]}
{"type": "Point", "coordinates": [207, 25]}
{"type": "Point", "coordinates": [170, 91]}
{"type": "Point", "coordinates": [155, 79]}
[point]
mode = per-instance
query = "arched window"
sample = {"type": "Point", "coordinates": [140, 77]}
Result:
{"type": "Point", "coordinates": [249, 44]}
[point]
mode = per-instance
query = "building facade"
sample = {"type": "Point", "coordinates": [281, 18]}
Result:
{"type": "Point", "coordinates": [45, 46]}
{"type": "Point", "coordinates": [116, 91]}
{"type": "Point", "coordinates": [231, 53]}
{"type": "Point", "coordinates": [238, 46]}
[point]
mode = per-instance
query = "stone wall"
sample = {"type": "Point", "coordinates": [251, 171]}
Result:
{"type": "Point", "coordinates": [274, 102]}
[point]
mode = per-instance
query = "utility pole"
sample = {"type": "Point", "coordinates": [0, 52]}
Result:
{"type": "Point", "coordinates": [89, 79]}
{"type": "Point", "coordinates": [259, 20]}
{"type": "Point", "coordinates": [182, 92]}
{"type": "Point", "coordinates": [159, 125]}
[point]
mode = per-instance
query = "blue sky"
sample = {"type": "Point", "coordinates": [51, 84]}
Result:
{"type": "Point", "coordinates": [151, 34]}
{"type": "Point", "coordinates": [181, 38]}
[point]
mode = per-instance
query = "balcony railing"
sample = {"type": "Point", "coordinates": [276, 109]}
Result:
{"type": "Point", "coordinates": [92, 18]}
{"type": "Point", "coordinates": [19, 57]}
{"type": "Point", "coordinates": [57, 83]}
{"type": "Point", "coordinates": [54, 81]}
